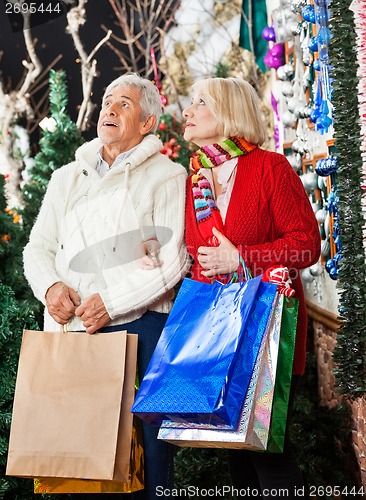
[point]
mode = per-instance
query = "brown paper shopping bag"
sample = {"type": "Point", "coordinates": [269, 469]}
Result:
{"type": "Point", "coordinates": [47, 485]}
{"type": "Point", "coordinates": [68, 420]}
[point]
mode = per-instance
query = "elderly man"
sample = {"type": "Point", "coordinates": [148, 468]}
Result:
{"type": "Point", "coordinates": [107, 247]}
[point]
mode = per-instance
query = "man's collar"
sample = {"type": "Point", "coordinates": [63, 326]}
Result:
{"type": "Point", "coordinates": [102, 165]}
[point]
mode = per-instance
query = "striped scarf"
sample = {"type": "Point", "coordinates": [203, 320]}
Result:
{"type": "Point", "coordinates": [207, 214]}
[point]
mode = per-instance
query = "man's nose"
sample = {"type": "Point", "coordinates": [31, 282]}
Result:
{"type": "Point", "coordinates": [111, 110]}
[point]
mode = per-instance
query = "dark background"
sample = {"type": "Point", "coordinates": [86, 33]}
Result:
{"type": "Point", "coordinates": [53, 40]}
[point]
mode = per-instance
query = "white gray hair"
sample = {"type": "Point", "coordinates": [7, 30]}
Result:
{"type": "Point", "coordinates": [150, 98]}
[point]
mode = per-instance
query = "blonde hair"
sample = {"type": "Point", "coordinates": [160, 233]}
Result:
{"type": "Point", "coordinates": [236, 106]}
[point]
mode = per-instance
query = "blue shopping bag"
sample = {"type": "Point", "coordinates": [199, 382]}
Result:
{"type": "Point", "coordinates": [203, 362]}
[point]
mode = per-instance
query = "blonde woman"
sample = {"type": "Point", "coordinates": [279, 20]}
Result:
{"type": "Point", "coordinates": [244, 202]}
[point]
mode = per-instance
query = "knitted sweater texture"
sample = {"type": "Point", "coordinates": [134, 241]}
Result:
{"type": "Point", "coordinates": [271, 221]}
{"type": "Point", "coordinates": [89, 232]}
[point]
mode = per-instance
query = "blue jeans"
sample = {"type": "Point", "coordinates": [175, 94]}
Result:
{"type": "Point", "coordinates": [158, 455]}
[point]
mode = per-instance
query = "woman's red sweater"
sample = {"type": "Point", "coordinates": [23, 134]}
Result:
{"type": "Point", "coordinates": [271, 221]}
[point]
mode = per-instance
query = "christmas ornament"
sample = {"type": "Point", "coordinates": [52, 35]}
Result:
{"type": "Point", "coordinates": [326, 166]}
{"type": "Point", "coordinates": [325, 247]}
{"type": "Point", "coordinates": [308, 14]}
{"type": "Point", "coordinates": [303, 111]}
{"type": "Point", "coordinates": [315, 206]}
{"type": "Point", "coordinates": [293, 104]}
{"type": "Point", "coordinates": [164, 99]}
{"type": "Point", "coordinates": [306, 276]}
{"type": "Point", "coordinates": [268, 33]}
{"type": "Point", "coordinates": [275, 56]}
{"type": "Point", "coordinates": [299, 146]}
{"type": "Point", "coordinates": [315, 113]}
{"type": "Point", "coordinates": [288, 70]}
{"type": "Point", "coordinates": [276, 133]}
{"type": "Point", "coordinates": [295, 162]}
{"type": "Point", "coordinates": [297, 5]}
{"type": "Point", "coordinates": [327, 226]}
{"type": "Point", "coordinates": [310, 181]}
{"type": "Point", "coordinates": [313, 44]}
{"type": "Point", "coordinates": [320, 215]}
{"type": "Point", "coordinates": [316, 269]}
{"type": "Point", "coordinates": [295, 28]}
{"type": "Point", "coordinates": [283, 18]}
{"type": "Point", "coordinates": [289, 119]}
{"type": "Point", "coordinates": [287, 88]}
{"type": "Point", "coordinates": [316, 64]}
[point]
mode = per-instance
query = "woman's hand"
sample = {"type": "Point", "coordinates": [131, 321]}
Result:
{"type": "Point", "coordinates": [150, 255]}
{"type": "Point", "coordinates": [223, 259]}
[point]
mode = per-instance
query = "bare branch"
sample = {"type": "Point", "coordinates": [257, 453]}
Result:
{"type": "Point", "coordinates": [16, 103]}
{"type": "Point", "coordinates": [139, 21]}
{"type": "Point", "coordinates": [76, 18]}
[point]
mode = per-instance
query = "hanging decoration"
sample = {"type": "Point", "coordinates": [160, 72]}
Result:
{"type": "Point", "coordinates": [276, 133]}
{"type": "Point", "coordinates": [322, 34]}
{"type": "Point", "coordinates": [283, 20]}
{"type": "Point", "coordinates": [318, 15]}
{"type": "Point", "coordinates": [326, 166]}
{"type": "Point", "coordinates": [164, 99]}
{"type": "Point", "coordinates": [275, 56]}
{"type": "Point", "coordinates": [332, 264]}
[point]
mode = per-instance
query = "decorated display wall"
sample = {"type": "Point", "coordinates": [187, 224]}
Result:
{"type": "Point", "coordinates": [314, 66]}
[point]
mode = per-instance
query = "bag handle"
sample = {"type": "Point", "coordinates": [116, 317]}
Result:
{"type": "Point", "coordinates": [242, 273]}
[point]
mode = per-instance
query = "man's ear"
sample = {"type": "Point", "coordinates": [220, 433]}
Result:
{"type": "Point", "coordinates": [148, 124]}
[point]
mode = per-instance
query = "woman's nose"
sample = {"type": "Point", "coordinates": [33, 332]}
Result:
{"type": "Point", "coordinates": [186, 112]}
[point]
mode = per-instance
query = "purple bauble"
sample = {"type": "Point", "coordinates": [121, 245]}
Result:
{"type": "Point", "coordinates": [278, 50]}
{"type": "Point", "coordinates": [268, 59]}
{"type": "Point", "coordinates": [268, 33]}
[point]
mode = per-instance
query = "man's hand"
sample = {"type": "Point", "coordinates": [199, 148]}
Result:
{"type": "Point", "coordinates": [93, 313]}
{"type": "Point", "coordinates": [61, 302]}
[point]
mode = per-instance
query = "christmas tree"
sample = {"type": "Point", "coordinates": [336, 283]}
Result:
{"type": "Point", "coordinates": [170, 132]}
{"type": "Point", "coordinates": [59, 141]}
{"type": "Point", "coordinates": [11, 268]}
{"type": "Point", "coordinates": [13, 319]}
{"type": "Point", "coordinates": [18, 307]}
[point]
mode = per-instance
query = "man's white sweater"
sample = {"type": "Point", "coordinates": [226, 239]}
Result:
{"type": "Point", "coordinates": [89, 232]}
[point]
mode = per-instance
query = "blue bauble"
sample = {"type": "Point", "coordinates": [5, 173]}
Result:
{"type": "Point", "coordinates": [313, 44]}
{"type": "Point", "coordinates": [323, 122]}
{"type": "Point", "coordinates": [314, 114]}
{"type": "Point", "coordinates": [329, 265]}
{"type": "Point", "coordinates": [323, 35]}
{"type": "Point", "coordinates": [308, 14]}
{"type": "Point", "coordinates": [333, 273]}
{"type": "Point", "coordinates": [337, 257]}
{"type": "Point", "coordinates": [316, 64]}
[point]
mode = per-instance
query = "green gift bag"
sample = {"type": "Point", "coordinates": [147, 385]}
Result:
{"type": "Point", "coordinates": [283, 375]}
